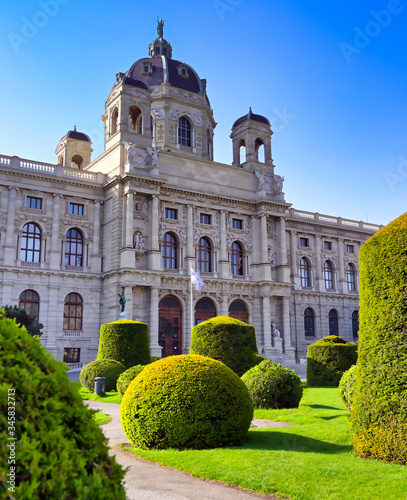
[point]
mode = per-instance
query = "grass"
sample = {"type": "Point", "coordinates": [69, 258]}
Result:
{"type": "Point", "coordinates": [109, 397]}
{"type": "Point", "coordinates": [101, 418]}
{"type": "Point", "coordinates": [313, 459]}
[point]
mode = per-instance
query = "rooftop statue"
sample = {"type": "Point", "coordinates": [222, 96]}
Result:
{"type": "Point", "coordinates": [160, 27]}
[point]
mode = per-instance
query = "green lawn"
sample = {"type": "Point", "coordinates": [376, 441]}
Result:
{"type": "Point", "coordinates": [311, 460]}
{"type": "Point", "coordinates": [109, 397]}
{"type": "Point", "coordinates": [101, 418]}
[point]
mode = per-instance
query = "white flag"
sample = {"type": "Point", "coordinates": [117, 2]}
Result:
{"type": "Point", "coordinates": [196, 280]}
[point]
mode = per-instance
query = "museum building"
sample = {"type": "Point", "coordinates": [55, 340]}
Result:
{"type": "Point", "coordinates": [155, 204]}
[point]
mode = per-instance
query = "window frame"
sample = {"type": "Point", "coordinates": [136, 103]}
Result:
{"type": "Point", "coordinates": [169, 251]}
{"type": "Point", "coordinates": [237, 259]}
{"type": "Point", "coordinates": [333, 320]}
{"type": "Point", "coordinates": [237, 224]}
{"type": "Point", "coordinates": [305, 273]}
{"type": "Point", "coordinates": [304, 242]}
{"type": "Point", "coordinates": [31, 238]}
{"type": "Point", "coordinates": [72, 243]}
{"type": "Point", "coordinates": [205, 219]}
{"type": "Point", "coordinates": [351, 277]}
{"type": "Point", "coordinates": [184, 132]}
{"type": "Point", "coordinates": [309, 322]}
{"type": "Point", "coordinates": [170, 212]}
{"type": "Point", "coordinates": [73, 205]}
{"type": "Point", "coordinates": [73, 321]}
{"type": "Point", "coordinates": [328, 275]}
{"type": "Point", "coordinates": [36, 200]}
{"type": "Point", "coordinates": [204, 255]}
{"type": "Point", "coordinates": [33, 303]}
{"type": "Point", "coordinates": [75, 359]}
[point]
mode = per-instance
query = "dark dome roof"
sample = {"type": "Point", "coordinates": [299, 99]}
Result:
{"type": "Point", "coordinates": [251, 116]}
{"type": "Point", "coordinates": [79, 136]}
{"type": "Point", "coordinates": [165, 70]}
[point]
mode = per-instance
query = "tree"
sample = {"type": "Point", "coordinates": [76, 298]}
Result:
{"type": "Point", "coordinates": [23, 319]}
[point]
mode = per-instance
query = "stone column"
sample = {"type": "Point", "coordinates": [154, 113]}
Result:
{"type": "Point", "coordinates": [55, 250]}
{"type": "Point", "coordinates": [190, 256]}
{"type": "Point", "coordinates": [282, 266]}
{"type": "Point", "coordinates": [341, 277]}
{"type": "Point", "coordinates": [9, 246]}
{"type": "Point", "coordinates": [266, 326]}
{"type": "Point", "coordinates": [155, 348]}
{"type": "Point", "coordinates": [289, 351]}
{"type": "Point", "coordinates": [128, 310]}
{"type": "Point", "coordinates": [263, 239]}
{"type": "Point", "coordinates": [189, 322]}
{"type": "Point", "coordinates": [129, 221]}
{"type": "Point", "coordinates": [96, 229]}
{"type": "Point", "coordinates": [318, 276]}
{"type": "Point", "coordinates": [293, 245]}
{"type": "Point", "coordinates": [154, 257]}
{"type": "Point", "coordinates": [223, 261]}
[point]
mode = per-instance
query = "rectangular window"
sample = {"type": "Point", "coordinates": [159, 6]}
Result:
{"type": "Point", "coordinates": [171, 213]}
{"type": "Point", "coordinates": [327, 245]}
{"type": "Point", "coordinates": [32, 202]}
{"type": "Point", "coordinates": [72, 355]}
{"type": "Point", "coordinates": [206, 219]}
{"type": "Point", "coordinates": [237, 223]}
{"type": "Point", "coordinates": [304, 242]}
{"type": "Point", "coordinates": [350, 248]}
{"type": "Point", "coordinates": [76, 208]}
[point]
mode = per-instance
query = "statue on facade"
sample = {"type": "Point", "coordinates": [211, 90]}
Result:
{"type": "Point", "coordinates": [122, 302]}
{"type": "Point", "coordinates": [275, 332]}
{"type": "Point", "coordinates": [263, 183]}
{"type": "Point", "coordinates": [138, 242]}
{"type": "Point", "coordinates": [160, 27]}
{"type": "Point", "coordinates": [153, 152]}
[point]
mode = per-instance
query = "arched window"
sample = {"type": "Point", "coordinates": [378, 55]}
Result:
{"type": "Point", "coordinates": [60, 160]}
{"type": "Point", "coordinates": [204, 309]}
{"type": "Point", "coordinates": [170, 326]}
{"type": "Point", "coordinates": [238, 310]}
{"type": "Point", "coordinates": [184, 132]}
{"type": "Point", "coordinates": [305, 273]}
{"type": "Point", "coordinates": [351, 277]}
{"type": "Point", "coordinates": [205, 256]}
{"type": "Point", "coordinates": [260, 152]}
{"type": "Point", "coordinates": [31, 243]}
{"type": "Point", "coordinates": [74, 248]}
{"type": "Point", "coordinates": [136, 119]}
{"type": "Point", "coordinates": [309, 322]}
{"type": "Point", "coordinates": [242, 151]}
{"type": "Point", "coordinates": [333, 322]}
{"type": "Point", "coordinates": [236, 259]}
{"type": "Point", "coordinates": [30, 301]}
{"type": "Point", "coordinates": [169, 250]}
{"type": "Point", "coordinates": [115, 119]}
{"type": "Point", "coordinates": [355, 324]}
{"type": "Point", "coordinates": [73, 310]}
{"type": "Point", "coordinates": [328, 274]}
{"type": "Point", "coordinates": [76, 161]}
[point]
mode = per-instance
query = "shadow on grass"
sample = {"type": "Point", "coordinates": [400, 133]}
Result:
{"type": "Point", "coordinates": [277, 440]}
{"type": "Point", "coordinates": [323, 407]}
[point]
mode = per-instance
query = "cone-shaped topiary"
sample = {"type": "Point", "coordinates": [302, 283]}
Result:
{"type": "Point", "coordinates": [228, 340]}
{"type": "Point", "coordinates": [347, 386]}
{"type": "Point", "coordinates": [107, 368]}
{"type": "Point", "coordinates": [128, 376]}
{"type": "Point", "coordinates": [186, 402]}
{"type": "Point", "coordinates": [328, 359]}
{"type": "Point", "coordinates": [273, 386]}
{"type": "Point", "coordinates": [59, 451]}
{"type": "Point", "coordinates": [125, 341]}
{"type": "Point", "coordinates": [379, 407]}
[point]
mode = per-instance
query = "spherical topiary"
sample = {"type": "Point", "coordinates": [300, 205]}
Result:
{"type": "Point", "coordinates": [347, 386]}
{"type": "Point", "coordinates": [328, 359]}
{"type": "Point", "coordinates": [108, 368]}
{"type": "Point", "coordinates": [125, 341]}
{"type": "Point", "coordinates": [59, 452]}
{"type": "Point", "coordinates": [128, 376]}
{"type": "Point", "coordinates": [273, 386]}
{"type": "Point", "coordinates": [228, 340]}
{"type": "Point", "coordinates": [379, 406]}
{"type": "Point", "coordinates": [186, 401]}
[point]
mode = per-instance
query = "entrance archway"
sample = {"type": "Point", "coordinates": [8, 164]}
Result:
{"type": "Point", "coordinates": [238, 310]}
{"type": "Point", "coordinates": [204, 309]}
{"type": "Point", "coordinates": [170, 326]}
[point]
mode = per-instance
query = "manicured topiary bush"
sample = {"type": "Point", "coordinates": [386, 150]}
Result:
{"type": "Point", "coordinates": [108, 368]}
{"type": "Point", "coordinates": [328, 359]}
{"type": "Point", "coordinates": [228, 340]}
{"type": "Point", "coordinates": [60, 452]}
{"type": "Point", "coordinates": [379, 407]}
{"type": "Point", "coordinates": [273, 386]}
{"type": "Point", "coordinates": [128, 376]}
{"type": "Point", "coordinates": [347, 386]}
{"type": "Point", "coordinates": [186, 401]}
{"type": "Point", "coordinates": [154, 358]}
{"type": "Point", "coordinates": [125, 341]}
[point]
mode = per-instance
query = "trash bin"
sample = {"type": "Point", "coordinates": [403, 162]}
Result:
{"type": "Point", "coordinates": [99, 385]}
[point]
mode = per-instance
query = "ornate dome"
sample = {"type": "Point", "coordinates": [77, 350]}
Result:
{"type": "Point", "coordinates": [74, 134]}
{"type": "Point", "coordinates": [251, 116]}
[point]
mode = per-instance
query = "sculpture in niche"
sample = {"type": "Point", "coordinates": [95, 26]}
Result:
{"type": "Point", "coordinates": [271, 256]}
{"type": "Point", "coordinates": [138, 242]}
{"type": "Point", "coordinates": [275, 332]}
{"type": "Point", "coordinates": [153, 152]}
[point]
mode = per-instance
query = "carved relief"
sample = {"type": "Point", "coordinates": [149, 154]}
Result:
{"type": "Point", "coordinates": [157, 113]}
{"type": "Point", "coordinates": [271, 256]}
{"type": "Point", "coordinates": [138, 242]}
{"type": "Point", "coordinates": [248, 242]}
{"type": "Point", "coordinates": [136, 158]}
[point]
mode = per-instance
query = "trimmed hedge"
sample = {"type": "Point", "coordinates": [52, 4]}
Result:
{"type": "Point", "coordinates": [273, 386]}
{"type": "Point", "coordinates": [328, 359]}
{"type": "Point", "coordinates": [379, 409]}
{"type": "Point", "coordinates": [60, 452]}
{"type": "Point", "coordinates": [347, 386]}
{"type": "Point", "coordinates": [125, 341]}
{"type": "Point", "coordinates": [108, 368]}
{"type": "Point", "coordinates": [128, 376]}
{"type": "Point", "coordinates": [186, 401]}
{"type": "Point", "coordinates": [228, 340]}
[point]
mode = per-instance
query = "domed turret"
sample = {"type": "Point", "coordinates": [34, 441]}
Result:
{"type": "Point", "coordinates": [74, 150]}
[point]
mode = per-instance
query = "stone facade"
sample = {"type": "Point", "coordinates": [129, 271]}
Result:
{"type": "Point", "coordinates": [153, 205]}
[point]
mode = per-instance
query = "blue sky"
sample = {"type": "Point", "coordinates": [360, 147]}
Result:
{"type": "Point", "coordinates": [331, 78]}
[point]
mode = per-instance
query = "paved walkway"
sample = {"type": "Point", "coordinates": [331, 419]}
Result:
{"type": "Point", "coordinates": [148, 481]}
